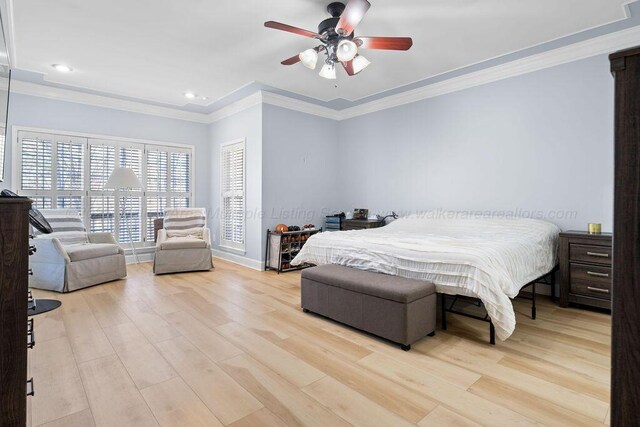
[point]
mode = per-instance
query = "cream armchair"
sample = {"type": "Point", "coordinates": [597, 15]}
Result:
{"type": "Point", "coordinates": [183, 243]}
{"type": "Point", "coordinates": [61, 263]}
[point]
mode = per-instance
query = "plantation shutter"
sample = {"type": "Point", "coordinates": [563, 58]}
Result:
{"type": "Point", "coordinates": [64, 171]}
{"type": "Point", "coordinates": [232, 159]}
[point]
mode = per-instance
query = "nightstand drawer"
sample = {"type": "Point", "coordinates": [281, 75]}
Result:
{"type": "Point", "coordinates": [591, 280]}
{"type": "Point", "coordinates": [590, 253]}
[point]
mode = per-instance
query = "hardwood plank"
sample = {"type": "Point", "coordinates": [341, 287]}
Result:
{"type": "Point", "coordinates": [226, 399]}
{"type": "Point", "coordinates": [469, 355]}
{"type": "Point", "coordinates": [442, 417]}
{"type": "Point", "coordinates": [112, 395]}
{"type": "Point", "coordinates": [454, 398]}
{"type": "Point", "coordinates": [207, 340]}
{"type": "Point", "coordinates": [50, 326]}
{"type": "Point", "coordinates": [290, 367]}
{"type": "Point", "coordinates": [59, 387]}
{"type": "Point", "coordinates": [174, 404]}
{"type": "Point", "coordinates": [105, 309]}
{"type": "Point", "coordinates": [528, 404]}
{"type": "Point", "coordinates": [293, 406]}
{"type": "Point", "coordinates": [262, 418]}
{"type": "Point", "coordinates": [386, 393]}
{"type": "Point", "coordinates": [350, 405]}
{"type": "Point", "coordinates": [78, 419]}
{"type": "Point", "coordinates": [145, 365]}
{"type": "Point", "coordinates": [87, 339]}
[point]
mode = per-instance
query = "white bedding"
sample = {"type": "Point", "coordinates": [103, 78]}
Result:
{"type": "Point", "coordinates": [487, 258]}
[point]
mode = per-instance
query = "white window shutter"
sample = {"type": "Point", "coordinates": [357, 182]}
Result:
{"type": "Point", "coordinates": [232, 165]}
{"type": "Point", "coordinates": [70, 172]}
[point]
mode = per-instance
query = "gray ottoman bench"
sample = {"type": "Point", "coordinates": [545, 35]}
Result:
{"type": "Point", "coordinates": [398, 309]}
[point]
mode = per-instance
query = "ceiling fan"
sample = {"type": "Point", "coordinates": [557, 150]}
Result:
{"type": "Point", "coordinates": [339, 43]}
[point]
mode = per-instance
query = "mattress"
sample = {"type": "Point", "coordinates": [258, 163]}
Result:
{"type": "Point", "coordinates": [486, 258]}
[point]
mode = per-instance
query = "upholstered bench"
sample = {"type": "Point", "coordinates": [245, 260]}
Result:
{"type": "Point", "coordinates": [398, 309]}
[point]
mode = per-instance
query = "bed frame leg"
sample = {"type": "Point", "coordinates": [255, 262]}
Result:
{"type": "Point", "coordinates": [443, 307]}
{"type": "Point", "coordinates": [533, 301]}
{"type": "Point", "coordinates": [492, 334]}
{"type": "Point", "coordinates": [405, 347]}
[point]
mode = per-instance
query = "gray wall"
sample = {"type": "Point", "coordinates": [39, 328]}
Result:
{"type": "Point", "coordinates": [541, 142]}
{"type": "Point", "coordinates": [300, 182]}
{"type": "Point", "coordinates": [25, 110]}
{"type": "Point", "coordinates": [246, 124]}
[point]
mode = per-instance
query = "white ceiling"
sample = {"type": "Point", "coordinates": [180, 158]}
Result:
{"type": "Point", "coordinates": [159, 49]}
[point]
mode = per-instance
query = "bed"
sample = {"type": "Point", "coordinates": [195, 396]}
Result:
{"type": "Point", "coordinates": [490, 259]}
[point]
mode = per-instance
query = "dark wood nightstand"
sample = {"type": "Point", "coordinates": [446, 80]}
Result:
{"type": "Point", "coordinates": [361, 224]}
{"type": "Point", "coordinates": [585, 269]}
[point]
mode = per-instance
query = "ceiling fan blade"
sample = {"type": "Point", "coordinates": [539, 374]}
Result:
{"type": "Point", "coordinates": [293, 60]}
{"type": "Point", "coordinates": [385, 43]}
{"type": "Point", "coordinates": [348, 67]}
{"type": "Point", "coordinates": [352, 15]}
{"type": "Point", "coordinates": [295, 30]}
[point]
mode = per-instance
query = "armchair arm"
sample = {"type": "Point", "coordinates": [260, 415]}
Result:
{"type": "Point", "coordinates": [206, 236]}
{"type": "Point", "coordinates": [49, 251]}
{"type": "Point", "coordinates": [161, 237]}
{"type": "Point", "coordinates": [102, 237]}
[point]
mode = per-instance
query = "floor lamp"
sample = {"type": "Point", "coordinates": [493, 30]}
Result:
{"type": "Point", "coordinates": [125, 180]}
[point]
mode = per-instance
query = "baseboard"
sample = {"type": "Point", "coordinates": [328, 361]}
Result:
{"type": "Point", "coordinates": [239, 259]}
{"type": "Point", "coordinates": [144, 257]}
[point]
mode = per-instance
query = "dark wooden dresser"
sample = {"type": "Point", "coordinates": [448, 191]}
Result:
{"type": "Point", "coordinates": [14, 289]}
{"type": "Point", "coordinates": [585, 269]}
{"type": "Point", "coordinates": [361, 224]}
{"type": "Point", "coordinates": [625, 325]}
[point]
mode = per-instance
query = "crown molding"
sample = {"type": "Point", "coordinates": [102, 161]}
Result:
{"type": "Point", "coordinates": [298, 105]}
{"type": "Point", "coordinates": [586, 49]}
{"type": "Point", "coordinates": [6, 10]}
{"type": "Point", "coordinates": [252, 100]}
{"type": "Point", "coordinates": [596, 46]}
{"type": "Point", "coordinates": [50, 92]}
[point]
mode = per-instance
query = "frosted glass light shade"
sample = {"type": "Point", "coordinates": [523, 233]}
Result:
{"type": "Point", "coordinates": [359, 63]}
{"type": "Point", "coordinates": [123, 178]}
{"type": "Point", "coordinates": [309, 58]}
{"type": "Point", "coordinates": [328, 71]}
{"type": "Point", "coordinates": [346, 50]}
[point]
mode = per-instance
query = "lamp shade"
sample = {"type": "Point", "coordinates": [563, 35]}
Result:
{"type": "Point", "coordinates": [123, 178]}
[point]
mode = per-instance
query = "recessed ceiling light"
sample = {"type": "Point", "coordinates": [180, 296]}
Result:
{"type": "Point", "coordinates": [190, 95]}
{"type": "Point", "coordinates": [204, 98]}
{"type": "Point", "coordinates": [62, 68]}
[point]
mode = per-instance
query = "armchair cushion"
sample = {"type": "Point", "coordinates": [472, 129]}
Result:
{"type": "Point", "coordinates": [183, 243]}
{"type": "Point", "coordinates": [92, 250]}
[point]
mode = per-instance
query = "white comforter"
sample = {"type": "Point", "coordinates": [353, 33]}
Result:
{"type": "Point", "coordinates": [488, 258]}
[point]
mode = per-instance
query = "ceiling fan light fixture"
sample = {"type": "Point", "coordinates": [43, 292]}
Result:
{"type": "Point", "coordinates": [309, 58]}
{"type": "Point", "coordinates": [346, 50]}
{"type": "Point", "coordinates": [328, 71]}
{"type": "Point", "coordinates": [360, 63]}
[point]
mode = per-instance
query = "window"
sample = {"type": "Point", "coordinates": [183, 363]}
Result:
{"type": "Point", "coordinates": [59, 171]}
{"type": "Point", "coordinates": [232, 167]}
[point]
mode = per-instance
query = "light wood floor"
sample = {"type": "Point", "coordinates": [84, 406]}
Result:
{"type": "Point", "coordinates": [232, 347]}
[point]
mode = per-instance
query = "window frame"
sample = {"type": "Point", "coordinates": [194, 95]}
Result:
{"type": "Point", "coordinates": [119, 142]}
{"type": "Point", "coordinates": [227, 244]}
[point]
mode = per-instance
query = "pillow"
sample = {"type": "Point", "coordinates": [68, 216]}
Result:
{"type": "Point", "coordinates": [67, 226]}
{"type": "Point", "coordinates": [184, 222]}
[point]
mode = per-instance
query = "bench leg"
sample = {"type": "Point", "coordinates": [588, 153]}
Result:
{"type": "Point", "coordinates": [432, 334]}
{"type": "Point", "coordinates": [304, 310]}
{"type": "Point", "coordinates": [443, 309]}
{"type": "Point", "coordinates": [492, 333]}
{"type": "Point", "coordinates": [405, 347]}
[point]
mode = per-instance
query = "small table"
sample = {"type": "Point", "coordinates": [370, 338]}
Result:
{"type": "Point", "coordinates": [361, 224]}
{"type": "Point", "coordinates": [585, 269]}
